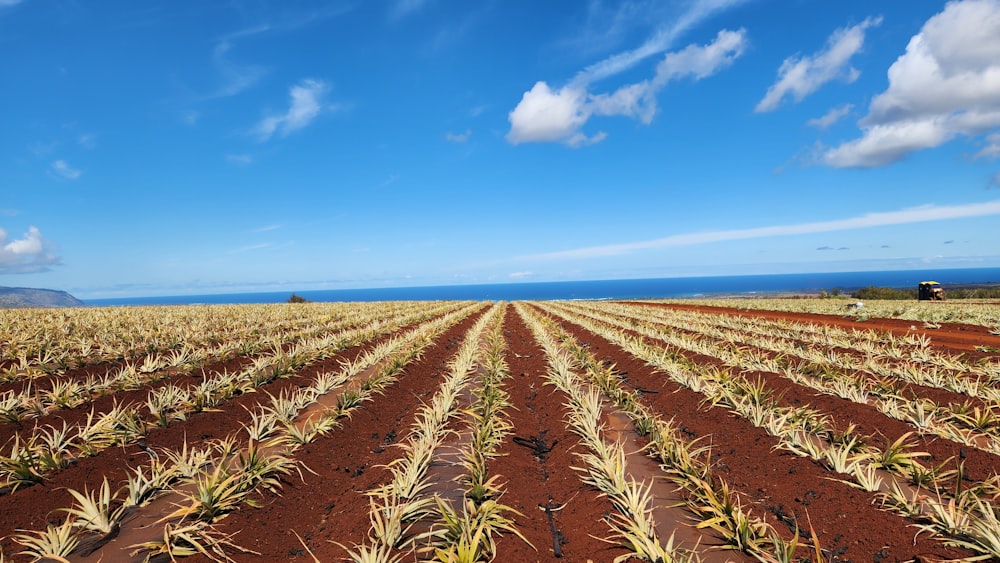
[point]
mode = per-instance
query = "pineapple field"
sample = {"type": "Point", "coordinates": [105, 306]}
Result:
{"type": "Point", "coordinates": [727, 430]}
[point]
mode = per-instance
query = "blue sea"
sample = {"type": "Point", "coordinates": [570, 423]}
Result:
{"type": "Point", "coordinates": [597, 289]}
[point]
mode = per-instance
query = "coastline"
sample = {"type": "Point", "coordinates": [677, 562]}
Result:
{"type": "Point", "coordinates": [709, 287]}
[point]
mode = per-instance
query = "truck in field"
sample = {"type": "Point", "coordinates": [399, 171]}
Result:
{"type": "Point", "coordinates": [930, 291]}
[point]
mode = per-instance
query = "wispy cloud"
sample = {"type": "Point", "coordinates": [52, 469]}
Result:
{"type": "Point", "coordinates": [305, 105]}
{"type": "Point", "coordinates": [267, 228]}
{"type": "Point", "coordinates": [944, 85]}
{"type": "Point", "coordinates": [901, 217]}
{"type": "Point", "coordinates": [609, 24]}
{"type": "Point", "coordinates": [831, 117]}
{"type": "Point", "coordinates": [190, 117]}
{"type": "Point", "coordinates": [5, 3]}
{"type": "Point", "coordinates": [403, 8]}
{"type": "Point", "coordinates": [800, 76]}
{"type": "Point", "coordinates": [87, 141]}
{"type": "Point", "coordinates": [392, 179]}
{"type": "Point", "coordinates": [991, 148]}
{"type": "Point", "coordinates": [63, 169]}
{"type": "Point", "coordinates": [40, 149]}
{"type": "Point", "coordinates": [252, 247]}
{"type": "Point", "coordinates": [26, 255]}
{"type": "Point", "coordinates": [547, 115]}
{"type": "Point", "coordinates": [236, 77]}
{"type": "Point", "coordinates": [239, 159]}
{"type": "Point", "coordinates": [458, 137]}
{"type": "Point", "coordinates": [662, 39]}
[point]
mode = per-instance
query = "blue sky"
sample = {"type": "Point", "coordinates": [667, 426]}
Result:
{"type": "Point", "coordinates": [185, 147]}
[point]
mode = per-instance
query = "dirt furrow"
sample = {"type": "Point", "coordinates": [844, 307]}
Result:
{"type": "Point", "coordinates": [882, 430]}
{"type": "Point", "coordinates": [30, 508]}
{"type": "Point", "coordinates": [779, 485]}
{"type": "Point", "coordinates": [328, 504]}
{"type": "Point", "coordinates": [904, 388]}
{"type": "Point", "coordinates": [561, 517]}
{"type": "Point", "coordinates": [954, 337]}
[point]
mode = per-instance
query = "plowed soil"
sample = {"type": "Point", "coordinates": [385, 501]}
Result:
{"type": "Point", "coordinates": [326, 511]}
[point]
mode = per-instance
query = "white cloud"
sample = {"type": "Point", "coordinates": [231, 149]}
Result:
{"type": "Point", "coordinates": [886, 143]}
{"type": "Point", "coordinates": [834, 115]}
{"type": "Point", "coordinates": [520, 275]}
{"type": "Point", "coordinates": [700, 62]}
{"type": "Point", "coordinates": [63, 169]}
{"type": "Point", "coordinates": [799, 77]}
{"type": "Point", "coordinates": [946, 84]}
{"type": "Point", "coordinates": [28, 254]}
{"type": "Point", "coordinates": [236, 77]}
{"type": "Point", "coordinates": [664, 38]}
{"type": "Point", "coordinates": [992, 147]}
{"type": "Point", "coordinates": [4, 3]}
{"type": "Point", "coordinates": [304, 107]}
{"type": "Point", "coordinates": [543, 115]}
{"type": "Point", "coordinates": [458, 137]}
{"type": "Point", "coordinates": [901, 217]}
{"type": "Point", "coordinates": [546, 115]}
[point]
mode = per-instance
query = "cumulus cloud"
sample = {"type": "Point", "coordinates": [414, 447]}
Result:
{"type": "Point", "coordinates": [25, 255]}
{"type": "Point", "coordinates": [831, 117]}
{"type": "Point", "coordinates": [800, 76]}
{"type": "Point", "coordinates": [458, 137]}
{"type": "Point", "coordinates": [305, 106]}
{"type": "Point", "coordinates": [946, 84]}
{"type": "Point", "coordinates": [547, 115]}
{"type": "Point", "coordinates": [63, 169]}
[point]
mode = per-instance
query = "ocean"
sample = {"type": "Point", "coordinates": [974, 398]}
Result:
{"type": "Point", "coordinates": [597, 289]}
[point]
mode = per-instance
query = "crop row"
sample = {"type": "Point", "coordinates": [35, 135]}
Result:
{"type": "Point", "coordinates": [205, 483]}
{"type": "Point", "coordinates": [36, 400]}
{"type": "Point", "coordinates": [982, 313]}
{"type": "Point", "coordinates": [36, 342]}
{"type": "Point", "coordinates": [50, 447]}
{"type": "Point", "coordinates": [961, 514]}
{"type": "Point", "coordinates": [828, 371]}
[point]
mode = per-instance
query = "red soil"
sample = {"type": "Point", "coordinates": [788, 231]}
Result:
{"type": "Point", "coordinates": [328, 505]}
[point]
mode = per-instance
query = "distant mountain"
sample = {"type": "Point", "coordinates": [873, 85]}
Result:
{"type": "Point", "coordinates": [14, 297]}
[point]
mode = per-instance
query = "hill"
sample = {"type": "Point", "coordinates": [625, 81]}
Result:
{"type": "Point", "coordinates": [14, 297]}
